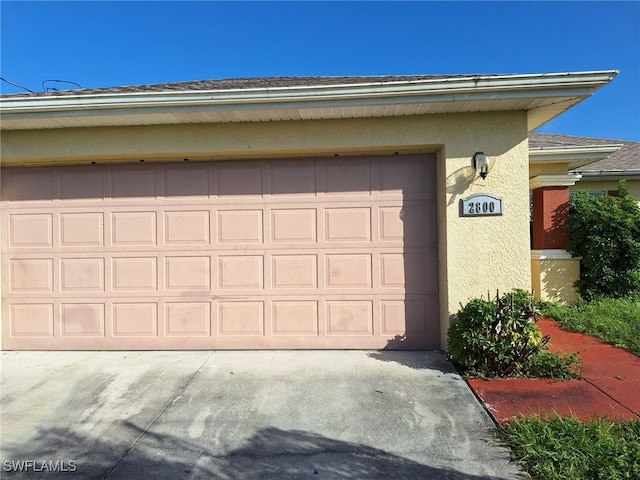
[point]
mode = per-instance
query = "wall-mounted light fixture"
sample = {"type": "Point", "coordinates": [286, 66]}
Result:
{"type": "Point", "coordinates": [481, 164]}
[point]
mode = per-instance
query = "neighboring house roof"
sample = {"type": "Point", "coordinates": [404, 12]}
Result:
{"type": "Point", "coordinates": [623, 162]}
{"type": "Point", "coordinates": [542, 96]}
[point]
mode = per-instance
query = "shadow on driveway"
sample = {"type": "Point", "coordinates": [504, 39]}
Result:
{"type": "Point", "coordinates": [425, 360]}
{"type": "Point", "coordinates": [271, 453]}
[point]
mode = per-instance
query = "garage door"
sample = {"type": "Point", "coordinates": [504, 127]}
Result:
{"type": "Point", "coordinates": [332, 253]}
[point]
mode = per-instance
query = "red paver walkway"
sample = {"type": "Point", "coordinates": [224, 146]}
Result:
{"type": "Point", "coordinates": [610, 384]}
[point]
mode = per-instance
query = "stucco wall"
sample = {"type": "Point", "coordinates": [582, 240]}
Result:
{"type": "Point", "coordinates": [554, 276]}
{"type": "Point", "coordinates": [547, 168]}
{"type": "Point", "coordinates": [476, 254]}
{"type": "Point", "coordinates": [485, 253]}
{"type": "Point", "coordinates": [607, 185]}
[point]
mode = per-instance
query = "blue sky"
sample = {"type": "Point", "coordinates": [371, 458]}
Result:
{"type": "Point", "coordinates": [103, 44]}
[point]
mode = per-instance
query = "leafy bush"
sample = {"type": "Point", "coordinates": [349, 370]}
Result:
{"type": "Point", "coordinates": [605, 232]}
{"type": "Point", "coordinates": [544, 364]}
{"type": "Point", "coordinates": [495, 338]}
{"type": "Point", "coordinates": [500, 338]}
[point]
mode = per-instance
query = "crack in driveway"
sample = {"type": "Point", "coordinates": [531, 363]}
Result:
{"type": "Point", "coordinates": [171, 401]}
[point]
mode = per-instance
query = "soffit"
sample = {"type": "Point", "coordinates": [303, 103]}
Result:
{"type": "Point", "coordinates": [543, 96]}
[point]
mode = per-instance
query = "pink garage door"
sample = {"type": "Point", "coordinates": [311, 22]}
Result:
{"type": "Point", "coordinates": [221, 255]}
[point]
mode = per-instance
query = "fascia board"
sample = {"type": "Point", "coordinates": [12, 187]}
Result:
{"type": "Point", "coordinates": [595, 175]}
{"type": "Point", "coordinates": [427, 91]}
{"type": "Point", "coordinates": [81, 109]}
{"type": "Point", "coordinates": [573, 156]}
{"type": "Point", "coordinates": [542, 181]}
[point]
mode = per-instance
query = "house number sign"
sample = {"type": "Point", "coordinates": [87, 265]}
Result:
{"type": "Point", "coordinates": [480, 206]}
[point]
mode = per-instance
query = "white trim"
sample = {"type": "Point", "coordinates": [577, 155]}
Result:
{"type": "Point", "coordinates": [574, 156]}
{"type": "Point", "coordinates": [452, 86]}
{"type": "Point", "coordinates": [552, 254]}
{"type": "Point", "coordinates": [484, 89]}
{"type": "Point", "coordinates": [542, 181]}
{"type": "Point", "coordinates": [599, 175]}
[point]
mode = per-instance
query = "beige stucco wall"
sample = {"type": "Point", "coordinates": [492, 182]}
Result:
{"type": "Point", "coordinates": [476, 254]}
{"type": "Point", "coordinates": [604, 186]}
{"type": "Point", "coordinates": [553, 278]}
{"type": "Point", "coordinates": [547, 168]}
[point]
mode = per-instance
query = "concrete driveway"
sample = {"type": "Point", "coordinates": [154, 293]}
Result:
{"type": "Point", "coordinates": [243, 415]}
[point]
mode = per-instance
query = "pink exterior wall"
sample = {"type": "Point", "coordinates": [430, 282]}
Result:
{"type": "Point", "coordinates": [550, 215]}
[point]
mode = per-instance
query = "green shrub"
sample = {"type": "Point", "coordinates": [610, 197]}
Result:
{"type": "Point", "coordinates": [605, 232]}
{"type": "Point", "coordinates": [495, 338]}
{"type": "Point", "coordinates": [544, 364]}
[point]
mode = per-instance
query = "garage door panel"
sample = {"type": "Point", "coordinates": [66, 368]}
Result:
{"type": "Point", "coordinates": [29, 185]}
{"type": "Point", "coordinates": [135, 319]}
{"type": "Point", "coordinates": [187, 273]}
{"type": "Point", "coordinates": [81, 183]}
{"type": "Point", "coordinates": [240, 226]}
{"type": "Point", "coordinates": [347, 177]}
{"type": "Point", "coordinates": [82, 319]}
{"type": "Point", "coordinates": [241, 318]}
{"type": "Point", "coordinates": [30, 230]}
{"type": "Point", "coordinates": [240, 272]}
{"type": "Point", "coordinates": [338, 253]}
{"type": "Point", "coordinates": [133, 182]}
{"type": "Point", "coordinates": [413, 225]}
{"type": "Point", "coordinates": [82, 229]}
{"type": "Point", "coordinates": [352, 271]}
{"type": "Point", "coordinates": [404, 316]}
{"type": "Point", "coordinates": [349, 317]}
{"type": "Point", "coordinates": [295, 317]}
{"type": "Point", "coordinates": [293, 225]}
{"type": "Point", "coordinates": [31, 320]}
{"type": "Point", "coordinates": [31, 275]}
{"type": "Point", "coordinates": [239, 181]}
{"type": "Point", "coordinates": [82, 275]}
{"type": "Point", "coordinates": [341, 323]}
{"type": "Point", "coordinates": [186, 227]}
{"type": "Point", "coordinates": [348, 224]}
{"type": "Point", "coordinates": [294, 271]}
{"type": "Point", "coordinates": [408, 178]}
{"type": "Point", "coordinates": [292, 179]}
{"type": "Point", "coordinates": [188, 319]}
{"type": "Point", "coordinates": [135, 274]}
{"type": "Point", "coordinates": [186, 183]}
{"type": "Point", "coordinates": [134, 228]}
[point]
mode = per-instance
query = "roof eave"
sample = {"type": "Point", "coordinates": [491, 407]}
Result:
{"type": "Point", "coordinates": [436, 87]}
{"type": "Point", "coordinates": [564, 90]}
{"type": "Point", "coordinates": [595, 175]}
{"type": "Point", "coordinates": [573, 156]}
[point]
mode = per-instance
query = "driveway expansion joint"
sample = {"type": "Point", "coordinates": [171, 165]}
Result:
{"type": "Point", "coordinates": [170, 402]}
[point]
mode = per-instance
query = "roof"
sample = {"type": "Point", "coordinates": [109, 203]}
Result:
{"type": "Point", "coordinates": [625, 159]}
{"type": "Point", "coordinates": [542, 96]}
{"type": "Point", "coordinates": [238, 84]}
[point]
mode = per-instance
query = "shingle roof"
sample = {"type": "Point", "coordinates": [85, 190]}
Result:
{"type": "Point", "coordinates": [627, 158]}
{"type": "Point", "coordinates": [246, 84]}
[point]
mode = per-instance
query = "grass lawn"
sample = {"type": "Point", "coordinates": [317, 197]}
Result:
{"type": "Point", "coordinates": [567, 449]}
{"type": "Point", "coordinates": [615, 321]}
